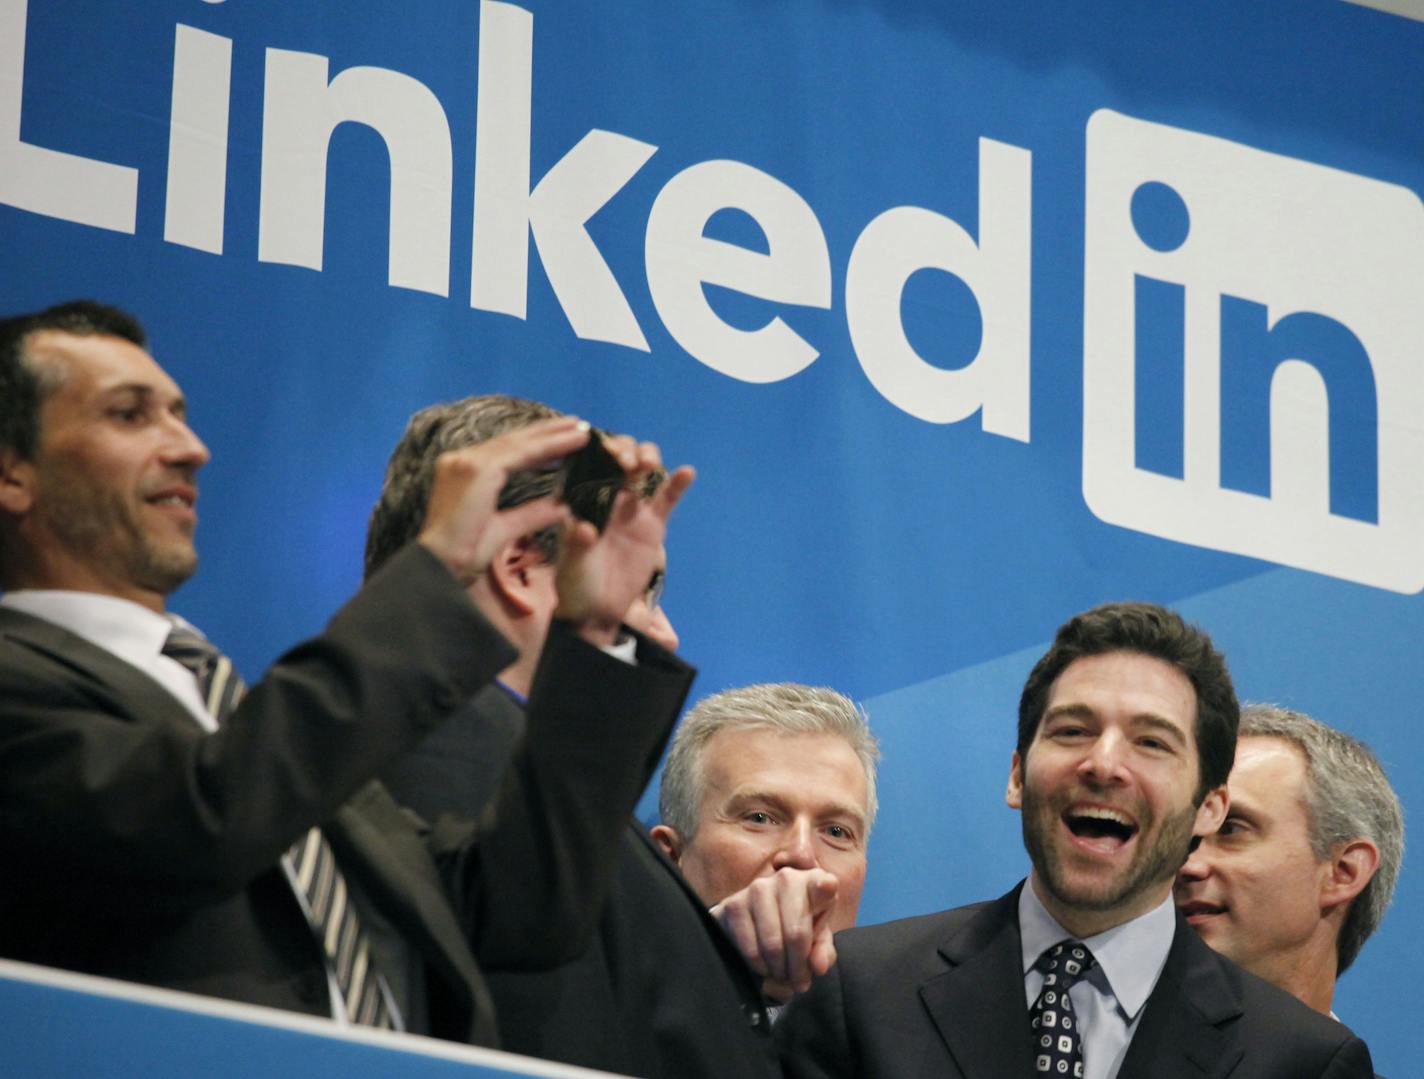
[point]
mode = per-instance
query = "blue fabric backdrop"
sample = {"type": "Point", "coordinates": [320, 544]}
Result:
{"type": "Point", "coordinates": [970, 315]}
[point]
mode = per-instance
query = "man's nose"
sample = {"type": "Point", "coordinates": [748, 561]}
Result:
{"type": "Point", "coordinates": [1197, 867]}
{"type": "Point", "coordinates": [663, 633]}
{"type": "Point", "coordinates": [1104, 760]}
{"type": "Point", "coordinates": [183, 446]}
{"type": "Point", "coordinates": [798, 847]}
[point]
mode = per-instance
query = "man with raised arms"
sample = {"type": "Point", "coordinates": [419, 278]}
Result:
{"type": "Point", "coordinates": [159, 826]}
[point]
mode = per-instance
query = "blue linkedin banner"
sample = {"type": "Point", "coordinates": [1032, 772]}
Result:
{"type": "Point", "coordinates": [970, 315]}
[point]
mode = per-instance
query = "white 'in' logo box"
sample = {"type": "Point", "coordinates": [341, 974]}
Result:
{"type": "Point", "coordinates": [1253, 368]}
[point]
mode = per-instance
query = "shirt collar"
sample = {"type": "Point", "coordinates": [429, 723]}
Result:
{"type": "Point", "coordinates": [128, 630]}
{"type": "Point", "coordinates": [514, 694]}
{"type": "Point", "coordinates": [1131, 955]}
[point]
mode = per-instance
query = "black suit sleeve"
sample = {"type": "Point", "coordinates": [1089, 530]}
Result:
{"type": "Point", "coordinates": [459, 767]}
{"type": "Point", "coordinates": [106, 780]}
{"type": "Point", "coordinates": [534, 881]}
{"type": "Point", "coordinates": [811, 1033]}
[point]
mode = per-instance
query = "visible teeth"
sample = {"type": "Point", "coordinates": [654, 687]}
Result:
{"type": "Point", "coordinates": [1099, 813]}
{"type": "Point", "coordinates": [172, 500]}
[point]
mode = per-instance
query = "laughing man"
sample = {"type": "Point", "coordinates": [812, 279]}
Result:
{"type": "Point", "coordinates": [1127, 729]}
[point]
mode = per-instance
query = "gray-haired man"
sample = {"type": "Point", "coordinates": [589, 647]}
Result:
{"type": "Point", "coordinates": [1301, 871]}
{"type": "Point", "coordinates": [769, 778]}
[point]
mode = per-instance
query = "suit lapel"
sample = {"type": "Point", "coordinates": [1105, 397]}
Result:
{"type": "Point", "coordinates": [970, 1002]}
{"type": "Point", "coordinates": [379, 845]}
{"type": "Point", "coordinates": [116, 683]}
{"type": "Point", "coordinates": [747, 981]}
{"type": "Point", "coordinates": [1183, 1031]}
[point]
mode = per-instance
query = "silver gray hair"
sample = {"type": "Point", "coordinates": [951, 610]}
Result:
{"type": "Point", "coordinates": [781, 707]}
{"type": "Point", "coordinates": [1347, 796]}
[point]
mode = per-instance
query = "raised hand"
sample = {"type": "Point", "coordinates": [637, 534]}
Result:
{"type": "Point", "coordinates": [601, 574]}
{"type": "Point", "coordinates": [463, 526]}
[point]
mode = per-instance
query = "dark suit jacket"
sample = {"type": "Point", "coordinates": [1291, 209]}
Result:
{"type": "Point", "coordinates": [942, 995]}
{"type": "Point", "coordinates": [138, 846]}
{"type": "Point", "coordinates": [659, 992]}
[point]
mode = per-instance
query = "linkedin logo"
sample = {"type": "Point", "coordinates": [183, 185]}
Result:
{"type": "Point", "coordinates": [1253, 353]}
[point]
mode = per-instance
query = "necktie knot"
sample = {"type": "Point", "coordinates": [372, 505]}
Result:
{"type": "Point", "coordinates": [219, 684]}
{"type": "Point", "coordinates": [191, 649]}
{"type": "Point", "coordinates": [1065, 964]}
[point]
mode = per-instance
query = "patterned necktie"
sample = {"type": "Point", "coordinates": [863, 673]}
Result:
{"type": "Point", "coordinates": [310, 862]}
{"type": "Point", "coordinates": [219, 683]}
{"type": "Point", "coordinates": [1057, 1044]}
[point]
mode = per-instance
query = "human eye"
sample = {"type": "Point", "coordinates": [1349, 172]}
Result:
{"type": "Point", "coordinates": [1233, 827]}
{"type": "Point", "coordinates": [840, 834]}
{"type": "Point", "coordinates": [758, 816]}
{"type": "Point", "coordinates": [130, 409]}
{"type": "Point", "coordinates": [653, 594]}
{"type": "Point", "coordinates": [1068, 731]}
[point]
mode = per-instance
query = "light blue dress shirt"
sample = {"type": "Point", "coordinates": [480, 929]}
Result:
{"type": "Point", "coordinates": [1109, 1001]}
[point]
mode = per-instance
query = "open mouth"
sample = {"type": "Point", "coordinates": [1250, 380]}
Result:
{"type": "Point", "coordinates": [182, 497]}
{"type": "Point", "coordinates": [1198, 911]}
{"type": "Point", "coordinates": [1100, 827]}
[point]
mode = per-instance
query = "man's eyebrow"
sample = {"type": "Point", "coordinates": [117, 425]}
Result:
{"type": "Point", "coordinates": [1162, 725]}
{"type": "Point", "coordinates": [1072, 708]}
{"type": "Point", "coordinates": [1239, 811]}
{"type": "Point", "coordinates": [755, 794]}
{"type": "Point", "coordinates": [143, 389]}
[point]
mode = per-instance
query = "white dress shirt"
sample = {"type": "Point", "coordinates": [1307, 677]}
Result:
{"type": "Point", "coordinates": [1109, 1000]}
{"type": "Point", "coordinates": [135, 634]}
{"type": "Point", "coordinates": [123, 628]}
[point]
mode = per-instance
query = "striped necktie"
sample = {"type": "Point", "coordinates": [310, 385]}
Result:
{"type": "Point", "coordinates": [309, 862]}
{"type": "Point", "coordinates": [219, 684]}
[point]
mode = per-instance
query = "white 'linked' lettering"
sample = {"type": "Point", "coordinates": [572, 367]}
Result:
{"type": "Point", "coordinates": [557, 210]}
{"type": "Point", "coordinates": [49, 182]}
{"type": "Point", "coordinates": [905, 239]}
{"type": "Point", "coordinates": [796, 268]}
{"type": "Point", "coordinates": [197, 140]}
{"type": "Point", "coordinates": [301, 109]}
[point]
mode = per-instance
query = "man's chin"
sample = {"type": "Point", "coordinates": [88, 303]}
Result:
{"type": "Point", "coordinates": [164, 573]}
{"type": "Point", "coordinates": [1088, 895]}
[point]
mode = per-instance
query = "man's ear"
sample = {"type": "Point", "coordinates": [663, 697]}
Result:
{"type": "Point", "coordinates": [1352, 866]}
{"type": "Point", "coordinates": [17, 483]}
{"type": "Point", "coordinates": [510, 570]}
{"type": "Point", "coordinates": [1212, 812]}
{"type": "Point", "coordinates": [1013, 794]}
{"type": "Point", "coordinates": [670, 842]}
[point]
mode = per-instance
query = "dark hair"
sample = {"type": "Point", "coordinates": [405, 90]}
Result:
{"type": "Point", "coordinates": [1162, 634]}
{"type": "Point", "coordinates": [405, 494]}
{"type": "Point", "coordinates": [23, 386]}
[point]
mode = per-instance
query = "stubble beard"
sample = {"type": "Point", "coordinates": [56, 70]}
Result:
{"type": "Point", "coordinates": [99, 526]}
{"type": "Point", "coordinates": [1149, 867]}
